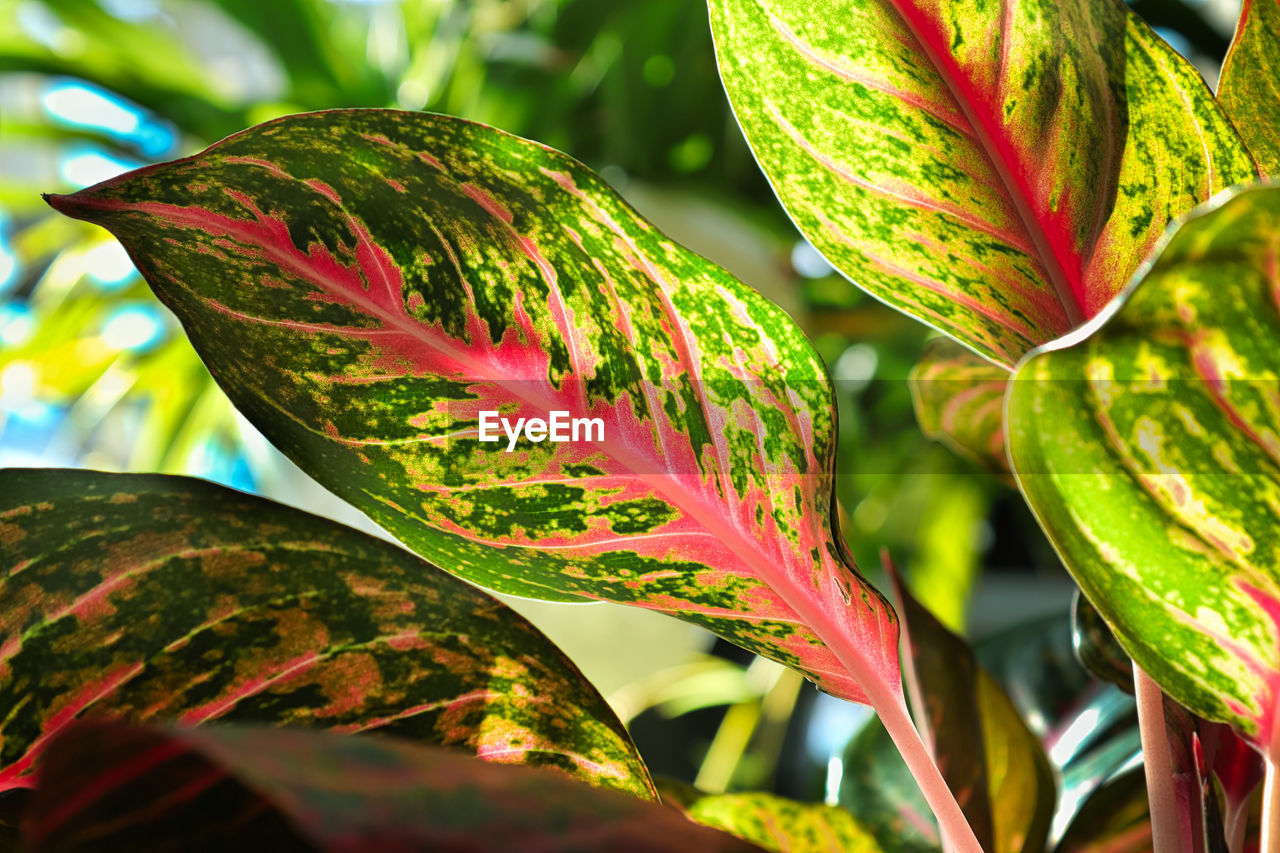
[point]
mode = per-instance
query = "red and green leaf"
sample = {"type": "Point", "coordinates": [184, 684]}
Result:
{"type": "Point", "coordinates": [1149, 452]}
{"type": "Point", "coordinates": [113, 786]}
{"type": "Point", "coordinates": [996, 170]}
{"type": "Point", "coordinates": [1249, 88]}
{"type": "Point", "coordinates": [959, 401]}
{"type": "Point", "coordinates": [165, 598]}
{"type": "Point", "coordinates": [364, 283]}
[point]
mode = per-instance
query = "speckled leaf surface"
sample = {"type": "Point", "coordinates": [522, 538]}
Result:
{"type": "Point", "coordinates": [1249, 88]}
{"type": "Point", "coordinates": [1150, 453]}
{"type": "Point", "coordinates": [365, 283]}
{"type": "Point", "coordinates": [113, 786]}
{"type": "Point", "coordinates": [995, 170]}
{"type": "Point", "coordinates": [782, 825]}
{"type": "Point", "coordinates": [166, 598]}
{"type": "Point", "coordinates": [959, 401]}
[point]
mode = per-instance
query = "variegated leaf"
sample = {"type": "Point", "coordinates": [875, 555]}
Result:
{"type": "Point", "coordinates": [365, 283]}
{"type": "Point", "coordinates": [1249, 88]}
{"type": "Point", "coordinates": [996, 170]}
{"type": "Point", "coordinates": [166, 598]}
{"type": "Point", "coordinates": [959, 400]}
{"type": "Point", "coordinates": [1150, 451]}
{"type": "Point", "coordinates": [113, 786]}
{"type": "Point", "coordinates": [782, 825]}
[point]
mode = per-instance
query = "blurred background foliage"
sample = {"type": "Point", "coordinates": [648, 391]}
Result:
{"type": "Point", "coordinates": [94, 372]}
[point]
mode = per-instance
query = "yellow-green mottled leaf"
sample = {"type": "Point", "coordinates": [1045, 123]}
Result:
{"type": "Point", "coordinates": [1249, 88]}
{"type": "Point", "coordinates": [1150, 452]}
{"type": "Point", "coordinates": [996, 170]}
{"type": "Point", "coordinates": [782, 825]}
{"type": "Point", "coordinates": [158, 598]}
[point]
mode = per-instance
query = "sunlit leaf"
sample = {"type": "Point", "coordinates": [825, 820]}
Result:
{"type": "Point", "coordinates": [364, 284]}
{"type": "Point", "coordinates": [1249, 87]}
{"type": "Point", "coordinates": [782, 825]}
{"type": "Point", "coordinates": [1150, 453]}
{"type": "Point", "coordinates": [167, 598]}
{"type": "Point", "coordinates": [995, 170]}
{"type": "Point", "coordinates": [123, 787]}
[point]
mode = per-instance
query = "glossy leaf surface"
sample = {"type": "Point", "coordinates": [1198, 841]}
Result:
{"type": "Point", "coordinates": [1249, 87]}
{"type": "Point", "coordinates": [877, 788]}
{"type": "Point", "coordinates": [959, 400]}
{"type": "Point", "coordinates": [782, 825]}
{"type": "Point", "coordinates": [167, 598]}
{"type": "Point", "coordinates": [994, 765]}
{"type": "Point", "coordinates": [995, 170]}
{"type": "Point", "coordinates": [123, 787]}
{"type": "Point", "coordinates": [365, 283]}
{"type": "Point", "coordinates": [1149, 452]}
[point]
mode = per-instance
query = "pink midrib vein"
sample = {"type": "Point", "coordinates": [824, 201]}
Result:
{"type": "Point", "coordinates": [1068, 287]}
{"type": "Point", "coordinates": [791, 589]}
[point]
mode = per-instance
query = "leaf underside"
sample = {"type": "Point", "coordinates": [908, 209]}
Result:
{"type": "Point", "coordinates": [123, 787]}
{"type": "Point", "coordinates": [996, 170]}
{"type": "Point", "coordinates": [1150, 454]}
{"type": "Point", "coordinates": [364, 283]}
{"type": "Point", "coordinates": [166, 598]}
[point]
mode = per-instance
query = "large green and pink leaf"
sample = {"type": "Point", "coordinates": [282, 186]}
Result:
{"type": "Point", "coordinates": [365, 283]}
{"type": "Point", "coordinates": [165, 598]}
{"type": "Point", "coordinates": [1249, 88]}
{"type": "Point", "coordinates": [113, 786]}
{"type": "Point", "coordinates": [995, 170]}
{"type": "Point", "coordinates": [1150, 452]}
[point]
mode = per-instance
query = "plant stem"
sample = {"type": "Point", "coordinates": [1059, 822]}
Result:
{"type": "Point", "coordinates": [1270, 810]}
{"type": "Point", "coordinates": [1157, 762]}
{"type": "Point", "coordinates": [957, 835]}
{"type": "Point", "coordinates": [1235, 825]}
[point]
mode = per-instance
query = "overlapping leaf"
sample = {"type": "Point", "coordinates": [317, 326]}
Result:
{"type": "Point", "coordinates": [120, 787]}
{"type": "Point", "coordinates": [995, 170]}
{"type": "Point", "coordinates": [992, 762]}
{"type": "Point", "coordinates": [166, 598]}
{"type": "Point", "coordinates": [1249, 88]}
{"type": "Point", "coordinates": [782, 825]}
{"type": "Point", "coordinates": [959, 400]}
{"type": "Point", "coordinates": [365, 283]}
{"type": "Point", "coordinates": [1150, 453]}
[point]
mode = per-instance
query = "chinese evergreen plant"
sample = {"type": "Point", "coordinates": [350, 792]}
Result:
{"type": "Point", "coordinates": [364, 284]}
